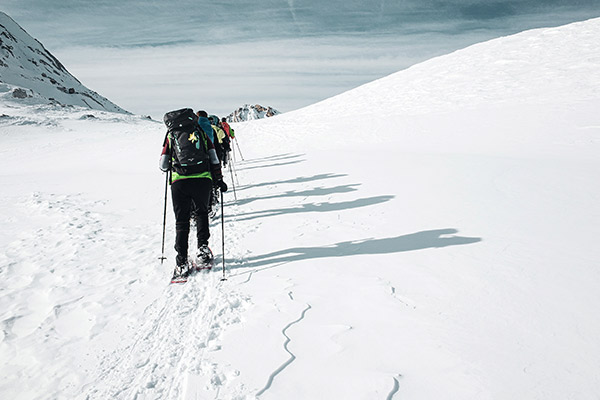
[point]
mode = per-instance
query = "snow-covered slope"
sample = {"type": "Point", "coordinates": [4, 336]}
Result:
{"type": "Point", "coordinates": [438, 244]}
{"type": "Point", "coordinates": [541, 66]}
{"type": "Point", "coordinates": [31, 74]}
{"type": "Point", "coordinates": [533, 66]}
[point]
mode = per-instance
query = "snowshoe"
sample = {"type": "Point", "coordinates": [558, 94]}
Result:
{"type": "Point", "coordinates": [205, 258]}
{"type": "Point", "coordinates": [180, 274]}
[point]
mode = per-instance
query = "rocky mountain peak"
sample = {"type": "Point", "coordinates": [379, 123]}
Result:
{"type": "Point", "coordinates": [249, 112]}
{"type": "Point", "coordinates": [29, 73]}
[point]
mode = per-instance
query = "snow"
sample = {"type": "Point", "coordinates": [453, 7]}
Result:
{"type": "Point", "coordinates": [431, 234]}
{"type": "Point", "coordinates": [27, 66]}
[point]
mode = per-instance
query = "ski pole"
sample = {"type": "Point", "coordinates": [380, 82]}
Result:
{"type": "Point", "coordinates": [240, 150]}
{"type": "Point", "coordinates": [162, 257]}
{"type": "Point", "coordinates": [223, 236]}
{"type": "Point", "coordinates": [232, 182]}
{"type": "Point", "coordinates": [232, 166]}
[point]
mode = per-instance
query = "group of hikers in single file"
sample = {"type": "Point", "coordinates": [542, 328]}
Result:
{"type": "Point", "coordinates": [196, 147]}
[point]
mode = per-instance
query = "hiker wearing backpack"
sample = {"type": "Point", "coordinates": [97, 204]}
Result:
{"type": "Point", "coordinates": [205, 124]}
{"type": "Point", "coordinates": [223, 141]}
{"type": "Point", "coordinates": [209, 124]}
{"type": "Point", "coordinates": [227, 139]}
{"type": "Point", "coordinates": [226, 126]}
{"type": "Point", "coordinates": [228, 129]}
{"type": "Point", "coordinates": [190, 155]}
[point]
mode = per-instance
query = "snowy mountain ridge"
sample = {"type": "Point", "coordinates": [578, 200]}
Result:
{"type": "Point", "coordinates": [250, 112]}
{"type": "Point", "coordinates": [30, 74]}
{"type": "Point", "coordinates": [552, 62]}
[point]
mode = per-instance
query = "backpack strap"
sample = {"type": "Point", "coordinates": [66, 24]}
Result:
{"type": "Point", "coordinates": [169, 156]}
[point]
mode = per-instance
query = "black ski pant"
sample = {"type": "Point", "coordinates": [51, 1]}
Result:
{"type": "Point", "coordinates": [183, 192]}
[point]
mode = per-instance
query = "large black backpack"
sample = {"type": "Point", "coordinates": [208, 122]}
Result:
{"type": "Point", "coordinates": [188, 142]}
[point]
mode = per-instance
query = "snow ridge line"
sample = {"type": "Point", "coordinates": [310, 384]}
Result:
{"type": "Point", "coordinates": [285, 346]}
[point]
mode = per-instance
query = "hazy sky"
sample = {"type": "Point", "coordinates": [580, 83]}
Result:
{"type": "Point", "coordinates": [154, 56]}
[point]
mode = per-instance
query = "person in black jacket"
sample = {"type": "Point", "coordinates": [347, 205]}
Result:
{"type": "Point", "coordinates": [186, 152]}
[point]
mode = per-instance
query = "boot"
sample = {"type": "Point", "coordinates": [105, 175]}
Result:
{"type": "Point", "coordinates": [205, 256]}
{"type": "Point", "coordinates": [181, 272]}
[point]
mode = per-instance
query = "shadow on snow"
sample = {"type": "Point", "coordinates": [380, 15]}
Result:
{"type": "Point", "coordinates": [300, 179]}
{"type": "Point", "coordinates": [277, 157]}
{"type": "Point", "coordinates": [315, 207]}
{"type": "Point", "coordinates": [414, 241]}
{"type": "Point", "coordinates": [277, 164]}
{"type": "Point", "coordinates": [304, 193]}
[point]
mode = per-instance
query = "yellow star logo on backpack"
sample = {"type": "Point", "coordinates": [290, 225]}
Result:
{"type": "Point", "coordinates": [193, 138]}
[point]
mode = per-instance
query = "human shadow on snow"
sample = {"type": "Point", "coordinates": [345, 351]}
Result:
{"type": "Point", "coordinates": [315, 207]}
{"type": "Point", "coordinates": [300, 179]}
{"type": "Point", "coordinates": [277, 164]}
{"type": "Point", "coordinates": [304, 193]}
{"type": "Point", "coordinates": [414, 241]}
{"type": "Point", "coordinates": [276, 157]}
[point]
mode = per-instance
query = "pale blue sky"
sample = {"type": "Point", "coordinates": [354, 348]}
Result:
{"type": "Point", "coordinates": [153, 56]}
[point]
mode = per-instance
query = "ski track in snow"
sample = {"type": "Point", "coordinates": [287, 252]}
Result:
{"type": "Point", "coordinates": [181, 326]}
{"type": "Point", "coordinates": [55, 266]}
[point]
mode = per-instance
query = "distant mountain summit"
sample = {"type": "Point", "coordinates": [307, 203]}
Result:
{"type": "Point", "coordinates": [249, 112]}
{"type": "Point", "coordinates": [31, 74]}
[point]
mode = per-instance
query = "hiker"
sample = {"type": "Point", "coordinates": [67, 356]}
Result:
{"type": "Point", "coordinates": [211, 124]}
{"type": "Point", "coordinates": [228, 131]}
{"type": "Point", "coordinates": [205, 124]}
{"type": "Point", "coordinates": [226, 126]}
{"type": "Point", "coordinates": [190, 155]}
{"type": "Point", "coordinates": [219, 145]}
{"type": "Point", "coordinates": [226, 144]}
{"type": "Point", "coordinates": [223, 141]}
